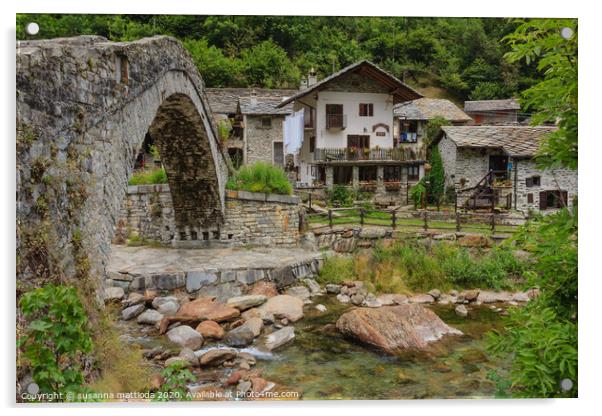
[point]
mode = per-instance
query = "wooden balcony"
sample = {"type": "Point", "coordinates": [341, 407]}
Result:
{"type": "Point", "coordinates": [352, 154]}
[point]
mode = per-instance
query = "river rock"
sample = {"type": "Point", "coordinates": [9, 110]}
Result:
{"type": "Point", "coordinates": [185, 336]}
{"type": "Point", "coordinates": [285, 306]}
{"type": "Point", "coordinates": [343, 298]}
{"type": "Point", "coordinates": [371, 302]}
{"type": "Point", "coordinates": [268, 289]}
{"type": "Point", "coordinates": [210, 329]}
{"type": "Point", "coordinates": [395, 329]}
{"type": "Point", "coordinates": [423, 298]}
{"type": "Point", "coordinates": [470, 295]}
{"type": "Point", "coordinates": [189, 355]}
{"type": "Point", "coordinates": [279, 338]}
{"type": "Point", "coordinates": [160, 300]}
{"type": "Point", "coordinates": [208, 309]}
{"type": "Point", "coordinates": [169, 308]}
{"type": "Point", "coordinates": [300, 292]}
{"type": "Point", "coordinates": [313, 286]}
{"type": "Point", "coordinates": [461, 310]}
{"type": "Point", "coordinates": [388, 299]}
{"type": "Point", "coordinates": [333, 289]}
{"type": "Point", "coordinates": [135, 298]}
{"type": "Point", "coordinates": [357, 299]}
{"type": "Point", "coordinates": [216, 356]}
{"type": "Point", "coordinates": [131, 312]}
{"type": "Point", "coordinates": [486, 296]}
{"type": "Point", "coordinates": [149, 317]}
{"type": "Point", "coordinates": [255, 325]}
{"type": "Point", "coordinates": [435, 293]}
{"type": "Point", "coordinates": [321, 308]}
{"type": "Point", "coordinates": [113, 294]}
{"type": "Point", "coordinates": [177, 359]}
{"type": "Point", "coordinates": [520, 297]}
{"type": "Point", "coordinates": [242, 303]}
{"type": "Point", "coordinates": [240, 336]}
{"type": "Point", "coordinates": [243, 386]}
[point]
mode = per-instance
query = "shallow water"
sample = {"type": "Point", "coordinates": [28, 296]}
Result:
{"type": "Point", "coordinates": [322, 364]}
{"type": "Point", "coordinates": [325, 365]}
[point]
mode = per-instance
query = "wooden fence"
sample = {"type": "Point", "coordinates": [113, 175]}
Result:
{"type": "Point", "coordinates": [424, 220]}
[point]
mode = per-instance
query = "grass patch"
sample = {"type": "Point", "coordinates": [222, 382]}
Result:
{"type": "Point", "coordinates": [148, 177]}
{"type": "Point", "coordinates": [409, 267]}
{"type": "Point", "coordinates": [121, 367]}
{"type": "Point", "coordinates": [137, 241]}
{"type": "Point", "coordinates": [260, 177]}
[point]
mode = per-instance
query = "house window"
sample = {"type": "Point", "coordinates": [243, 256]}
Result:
{"type": "Point", "coordinates": [552, 199]}
{"type": "Point", "coordinates": [334, 116]}
{"type": "Point", "coordinates": [408, 131]}
{"type": "Point", "coordinates": [342, 175]}
{"type": "Point", "coordinates": [308, 117]}
{"type": "Point", "coordinates": [266, 122]}
{"type": "Point", "coordinates": [392, 173]}
{"type": "Point", "coordinates": [358, 142]}
{"type": "Point", "coordinates": [533, 181]}
{"type": "Point", "coordinates": [413, 173]}
{"type": "Point", "coordinates": [312, 144]}
{"type": "Point", "coordinates": [366, 110]}
{"type": "Point", "coordinates": [367, 173]}
{"type": "Point", "coordinates": [278, 154]}
{"type": "Point", "coordinates": [529, 198]}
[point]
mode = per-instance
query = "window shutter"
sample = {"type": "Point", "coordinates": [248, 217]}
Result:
{"type": "Point", "coordinates": [529, 198]}
{"type": "Point", "coordinates": [529, 182]}
{"type": "Point", "coordinates": [543, 200]}
{"type": "Point", "coordinates": [565, 200]}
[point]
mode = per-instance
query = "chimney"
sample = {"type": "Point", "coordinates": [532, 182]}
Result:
{"type": "Point", "coordinates": [311, 78]}
{"type": "Point", "coordinates": [303, 84]}
{"type": "Point", "coordinates": [253, 96]}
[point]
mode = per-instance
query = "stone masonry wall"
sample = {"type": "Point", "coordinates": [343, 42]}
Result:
{"type": "Point", "coordinates": [250, 218]}
{"type": "Point", "coordinates": [551, 180]}
{"type": "Point", "coordinates": [260, 147]}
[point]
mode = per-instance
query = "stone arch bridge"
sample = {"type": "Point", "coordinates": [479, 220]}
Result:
{"type": "Point", "coordinates": [84, 106]}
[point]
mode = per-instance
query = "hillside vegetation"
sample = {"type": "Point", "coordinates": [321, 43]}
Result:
{"type": "Point", "coordinates": [456, 58]}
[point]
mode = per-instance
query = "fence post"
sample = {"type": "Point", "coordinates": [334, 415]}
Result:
{"type": "Point", "coordinates": [426, 226]}
{"type": "Point", "coordinates": [493, 222]}
{"type": "Point", "coordinates": [330, 217]}
{"type": "Point", "coordinates": [362, 216]}
{"type": "Point", "coordinates": [394, 219]}
{"type": "Point", "coordinates": [455, 202]}
{"type": "Point", "coordinates": [309, 200]}
{"type": "Point", "coordinates": [457, 221]}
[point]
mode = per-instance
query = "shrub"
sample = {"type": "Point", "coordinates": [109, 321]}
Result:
{"type": "Point", "coordinates": [260, 177]}
{"type": "Point", "coordinates": [417, 192]}
{"type": "Point", "coordinates": [148, 177]}
{"type": "Point", "coordinates": [176, 376]}
{"type": "Point", "coordinates": [56, 338]}
{"type": "Point", "coordinates": [336, 269]}
{"type": "Point", "coordinates": [340, 195]}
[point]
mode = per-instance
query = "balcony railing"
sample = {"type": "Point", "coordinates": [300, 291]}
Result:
{"type": "Point", "coordinates": [336, 121]}
{"type": "Point", "coordinates": [398, 154]}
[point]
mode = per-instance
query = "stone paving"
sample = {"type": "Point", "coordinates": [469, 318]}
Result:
{"type": "Point", "coordinates": [220, 272]}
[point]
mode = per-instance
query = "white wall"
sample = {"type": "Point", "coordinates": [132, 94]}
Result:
{"type": "Point", "coordinates": [337, 138]}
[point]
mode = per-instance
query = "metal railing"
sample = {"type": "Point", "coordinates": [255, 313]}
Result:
{"type": "Point", "coordinates": [336, 121]}
{"type": "Point", "coordinates": [400, 154]}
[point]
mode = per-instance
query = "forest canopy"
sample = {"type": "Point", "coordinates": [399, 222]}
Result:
{"type": "Point", "coordinates": [456, 58]}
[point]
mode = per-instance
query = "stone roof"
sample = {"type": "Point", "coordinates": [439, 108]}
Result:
{"type": "Point", "coordinates": [225, 100]}
{"type": "Point", "coordinates": [263, 106]}
{"type": "Point", "coordinates": [516, 141]}
{"type": "Point", "coordinates": [429, 108]}
{"type": "Point", "coordinates": [401, 91]}
{"type": "Point", "coordinates": [491, 105]}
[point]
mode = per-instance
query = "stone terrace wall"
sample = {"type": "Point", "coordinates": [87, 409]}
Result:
{"type": "Point", "coordinates": [250, 218]}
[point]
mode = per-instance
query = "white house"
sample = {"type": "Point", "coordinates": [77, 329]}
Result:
{"type": "Point", "coordinates": [348, 134]}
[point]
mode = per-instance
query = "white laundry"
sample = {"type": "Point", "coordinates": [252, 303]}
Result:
{"type": "Point", "coordinates": [293, 132]}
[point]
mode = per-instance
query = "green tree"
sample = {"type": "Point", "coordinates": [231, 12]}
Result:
{"type": "Point", "coordinates": [555, 98]}
{"type": "Point", "coordinates": [541, 338]}
{"type": "Point", "coordinates": [267, 65]}
{"type": "Point", "coordinates": [436, 178]}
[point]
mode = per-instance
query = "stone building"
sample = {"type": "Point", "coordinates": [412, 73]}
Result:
{"type": "Point", "coordinates": [493, 112]}
{"type": "Point", "coordinates": [494, 165]}
{"type": "Point", "coordinates": [224, 103]}
{"type": "Point", "coordinates": [348, 136]}
{"type": "Point", "coordinates": [411, 118]}
{"type": "Point", "coordinates": [261, 120]}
